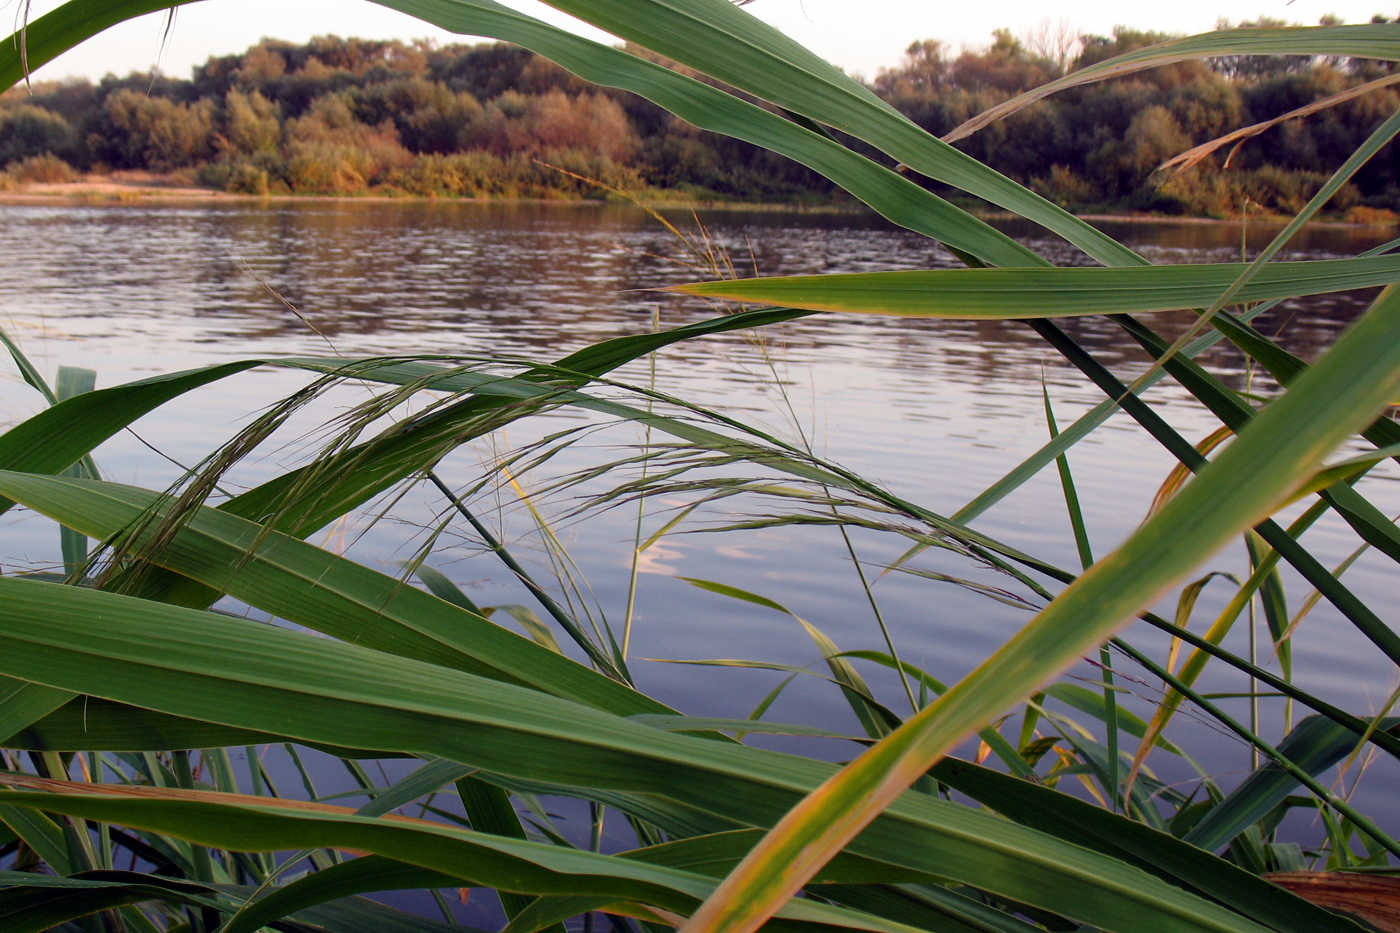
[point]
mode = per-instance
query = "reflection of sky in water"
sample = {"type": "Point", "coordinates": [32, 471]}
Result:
{"type": "Point", "coordinates": [935, 411]}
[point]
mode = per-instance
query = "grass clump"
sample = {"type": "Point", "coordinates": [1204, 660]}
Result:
{"type": "Point", "coordinates": [41, 169]}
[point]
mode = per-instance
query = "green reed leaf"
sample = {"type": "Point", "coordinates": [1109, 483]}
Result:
{"type": "Point", "coordinates": [998, 294]}
{"type": "Point", "coordinates": [1314, 745]}
{"type": "Point", "coordinates": [62, 434]}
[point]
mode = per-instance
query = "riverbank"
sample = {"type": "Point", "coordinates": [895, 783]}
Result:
{"type": "Point", "coordinates": [132, 186]}
{"type": "Point", "coordinates": [141, 186]}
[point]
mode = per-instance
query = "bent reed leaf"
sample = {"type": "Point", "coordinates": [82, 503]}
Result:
{"type": "Point", "coordinates": [1380, 41]}
{"type": "Point", "coordinates": [1004, 293]}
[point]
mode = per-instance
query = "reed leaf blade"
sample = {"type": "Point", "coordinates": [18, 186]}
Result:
{"type": "Point", "coordinates": [1001, 294]}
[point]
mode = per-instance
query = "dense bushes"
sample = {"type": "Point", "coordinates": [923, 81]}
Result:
{"type": "Point", "coordinates": [44, 169]}
{"type": "Point", "coordinates": [348, 116]}
{"type": "Point", "coordinates": [1098, 146]}
{"type": "Point", "coordinates": [485, 174]}
{"type": "Point", "coordinates": [134, 130]}
{"type": "Point", "coordinates": [429, 116]}
{"type": "Point", "coordinates": [27, 131]}
{"type": "Point", "coordinates": [252, 124]}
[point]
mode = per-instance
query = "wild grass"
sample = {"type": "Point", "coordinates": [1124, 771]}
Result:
{"type": "Point", "coordinates": [126, 686]}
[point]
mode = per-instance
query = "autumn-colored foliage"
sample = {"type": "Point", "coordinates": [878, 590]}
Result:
{"type": "Point", "coordinates": [351, 116]}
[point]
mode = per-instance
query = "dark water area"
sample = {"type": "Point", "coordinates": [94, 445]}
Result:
{"type": "Point", "coordinates": [934, 411]}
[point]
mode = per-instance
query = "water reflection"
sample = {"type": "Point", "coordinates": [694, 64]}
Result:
{"type": "Point", "coordinates": [527, 279]}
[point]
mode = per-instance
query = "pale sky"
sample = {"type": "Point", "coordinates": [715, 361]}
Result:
{"type": "Point", "coordinates": [861, 36]}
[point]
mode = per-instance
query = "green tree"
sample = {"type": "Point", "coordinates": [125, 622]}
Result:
{"type": "Point", "coordinates": [132, 130]}
{"type": "Point", "coordinates": [1006, 66]}
{"type": "Point", "coordinates": [430, 116]}
{"type": "Point", "coordinates": [252, 123]}
{"type": "Point", "coordinates": [26, 131]}
{"type": "Point", "coordinates": [330, 151]}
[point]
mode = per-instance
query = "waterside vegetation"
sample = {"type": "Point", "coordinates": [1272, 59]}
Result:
{"type": "Point", "coordinates": [354, 116]}
{"type": "Point", "coordinates": [129, 688]}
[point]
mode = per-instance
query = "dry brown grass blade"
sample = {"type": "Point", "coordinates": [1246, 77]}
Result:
{"type": "Point", "coordinates": [24, 43]}
{"type": "Point", "coordinates": [1182, 161]}
{"type": "Point", "coordinates": [1181, 472]}
{"type": "Point", "coordinates": [1374, 898]}
{"type": "Point", "coordinates": [1023, 100]}
{"type": "Point", "coordinates": [601, 185]}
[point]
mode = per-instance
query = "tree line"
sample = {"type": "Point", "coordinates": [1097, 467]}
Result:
{"type": "Point", "coordinates": [353, 116]}
{"type": "Point", "coordinates": [1099, 146]}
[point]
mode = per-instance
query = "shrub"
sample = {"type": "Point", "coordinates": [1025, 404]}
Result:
{"type": "Point", "coordinates": [30, 131]}
{"type": "Point", "coordinates": [461, 174]}
{"type": "Point", "coordinates": [42, 169]}
{"type": "Point", "coordinates": [591, 166]}
{"type": "Point", "coordinates": [247, 178]}
{"type": "Point", "coordinates": [214, 174]}
{"type": "Point", "coordinates": [1153, 137]}
{"type": "Point", "coordinates": [262, 173]}
{"type": "Point", "coordinates": [320, 168]}
{"type": "Point", "coordinates": [1372, 216]}
{"type": "Point", "coordinates": [252, 123]}
{"type": "Point", "coordinates": [329, 151]}
{"type": "Point", "coordinates": [1204, 191]}
{"type": "Point", "coordinates": [556, 121]}
{"type": "Point", "coordinates": [1065, 188]}
{"type": "Point", "coordinates": [132, 130]}
{"type": "Point", "coordinates": [1285, 191]}
{"type": "Point", "coordinates": [430, 117]}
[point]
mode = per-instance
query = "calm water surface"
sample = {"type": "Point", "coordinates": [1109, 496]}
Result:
{"type": "Point", "coordinates": [935, 411]}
